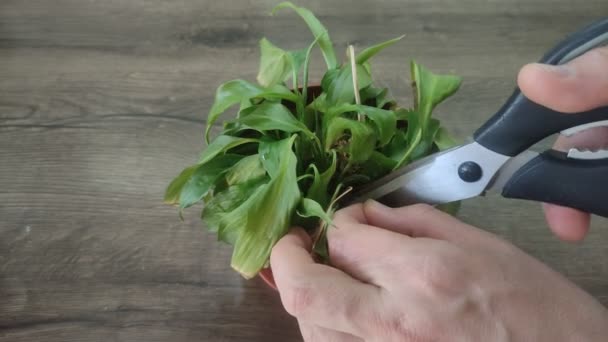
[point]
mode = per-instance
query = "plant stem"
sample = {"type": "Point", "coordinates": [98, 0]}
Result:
{"type": "Point", "coordinates": [353, 66]}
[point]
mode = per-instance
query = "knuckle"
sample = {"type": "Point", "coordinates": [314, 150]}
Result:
{"type": "Point", "coordinates": [436, 273]}
{"type": "Point", "coordinates": [298, 300]}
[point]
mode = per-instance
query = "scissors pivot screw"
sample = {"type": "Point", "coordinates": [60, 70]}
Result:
{"type": "Point", "coordinates": [470, 172]}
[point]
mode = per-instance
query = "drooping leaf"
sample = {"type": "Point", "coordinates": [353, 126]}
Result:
{"type": "Point", "coordinates": [269, 213]}
{"type": "Point", "coordinates": [227, 95]}
{"type": "Point", "coordinates": [318, 30]}
{"type": "Point", "coordinates": [368, 53]}
{"type": "Point", "coordinates": [204, 177]}
{"type": "Point", "coordinates": [431, 89]}
{"type": "Point", "coordinates": [177, 184]}
{"type": "Point", "coordinates": [311, 208]}
{"type": "Point", "coordinates": [361, 142]}
{"type": "Point", "coordinates": [222, 144]}
{"type": "Point", "coordinates": [273, 116]}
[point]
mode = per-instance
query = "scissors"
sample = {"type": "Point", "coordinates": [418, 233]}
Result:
{"type": "Point", "coordinates": [499, 157]}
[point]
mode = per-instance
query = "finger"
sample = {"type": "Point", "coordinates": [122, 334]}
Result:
{"type": "Point", "coordinates": [570, 224]}
{"type": "Point", "coordinates": [567, 224]}
{"type": "Point", "coordinates": [313, 333]}
{"type": "Point", "coordinates": [580, 85]}
{"type": "Point", "coordinates": [319, 294]}
{"type": "Point", "coordinates": [362, 251]}
{"type": "Point", "coordinates": [367, 252]}
{"type": "Point", "coordinates": [592, 139]}
{"type": "Point", "coordinates": [418, 221]}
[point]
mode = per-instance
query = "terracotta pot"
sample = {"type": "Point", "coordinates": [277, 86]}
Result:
{"type": "Point", "coordinates": [267, 277]}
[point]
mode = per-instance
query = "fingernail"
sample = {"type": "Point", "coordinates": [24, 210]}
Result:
{"type": "Point", "coordinates": [563, 70]}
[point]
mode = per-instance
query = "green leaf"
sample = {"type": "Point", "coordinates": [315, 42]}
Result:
{"type": "Point", "coordinates": [328, 79]}
{"type": "Point", "coordinates": [297, 59]}
{"type": "Point", "coordinates": [276, 92]}
{"type": "Point", "coordinates": [431, 89]}
{"type": "Point", "coordinates": [306, 70]}
{"type": "Point", "coordinates": [227, 95]}
{"type": "Point", "coordinates": [318, 30]}
{"type": "Point", "coordinates": [217, 210]}
{"type": "Point", "coordinates": [404, 114]}
{"type": "Point", "coordinates": [273, 116]}
{"type": "Point", "coordinates": [311, 208]}
{"type": "Point", "coordinates": [340, 89]}
{"type": "Point", "coordinates": [370, 93]}
{"type": "Point", "coordinates": [269, 151]}
{"type": "Point", "coordinates": [275, 64]}
{"type": "Point", "coordinates": [377, 165]}
{"type": "Point", "coordinates": [362, 139]}
{"type": "Point", "coordinates": [246, 169]}
{"type": "Point", "coordinates": [396, 149]}
{"type": "Point", "coordinates": [222, 144]}
{"type": "Point", "coordinates": [413, 138]}
{"type": "Point", "coordinates": [268, 213]}
{"type": "Point", "coordinates": [204, 177]}
{"type": "Point", "coordinates": [177, 184]}
{"type": "Point", "coordinates": [320, 184]}
{"type": "Point", "coordinates": [444, 140]}
{"type": "Point", "coordinates": [384, 120]}
{"type": "Point", "coordinates": [368, 53]}
{"type": "Point", "coordinates": [424, 146]}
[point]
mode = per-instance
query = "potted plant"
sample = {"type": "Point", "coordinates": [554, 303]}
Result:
{"type": "Point", "coordinates": [293, 150]}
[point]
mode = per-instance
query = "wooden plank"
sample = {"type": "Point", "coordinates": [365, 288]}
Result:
{"type": "Point", "coordinates": [102, 103]}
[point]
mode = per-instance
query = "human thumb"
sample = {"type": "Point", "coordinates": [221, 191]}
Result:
{"type": "Point", "coordinates": [577, 86]}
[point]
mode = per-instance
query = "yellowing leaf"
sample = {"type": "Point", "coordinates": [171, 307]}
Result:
{"type": "Point", "coordinates": [268, 214]}
{"type": "Point", "coordinates": [177, 184]}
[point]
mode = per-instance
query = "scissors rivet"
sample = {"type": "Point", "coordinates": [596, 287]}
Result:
{"type": "Point", "coordinates": [470, 172]}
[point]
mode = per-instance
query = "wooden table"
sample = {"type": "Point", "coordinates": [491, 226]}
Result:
{"type": "Point", "coordinates": [103, 102]}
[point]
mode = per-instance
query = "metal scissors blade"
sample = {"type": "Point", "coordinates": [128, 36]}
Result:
{"type": "Point", "coordinates": [452, 175]}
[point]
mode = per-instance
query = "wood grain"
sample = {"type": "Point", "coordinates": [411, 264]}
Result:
{"type": "Point", "coordinates": [103, 102]}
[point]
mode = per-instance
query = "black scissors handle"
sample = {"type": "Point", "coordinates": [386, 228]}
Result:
{"type": "Point", "coordinates": [554, 178]}
{"type": "Point", "coordinates": [521, 123]}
